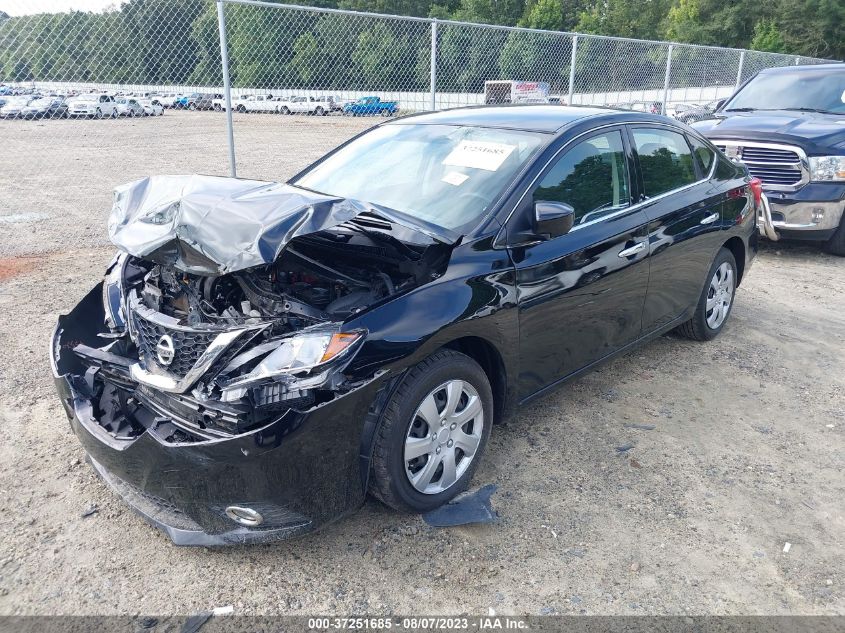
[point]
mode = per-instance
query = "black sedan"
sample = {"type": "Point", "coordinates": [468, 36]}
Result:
{"type": "Point", "coordinates": [261, 356]}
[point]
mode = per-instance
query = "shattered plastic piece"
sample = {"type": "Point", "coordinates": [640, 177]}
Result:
{"type": "Point", "coordinates": [787, 547]}
{"type": "Point", "coordinates": [624, 449]}
{"type": "Point", "coordinates": [466, 508]}
{"type": "Point", "coordinates": [93, 509]}
{"type": "Point", "coordinates": [640, 427]}
{"type": "Point", "coordinates": [210, 225]}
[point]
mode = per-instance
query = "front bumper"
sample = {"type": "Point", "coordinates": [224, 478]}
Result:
{"type": "Point", "coordinates": [814, 213]}
{"type": "Point", "coordinates": [301, 471]}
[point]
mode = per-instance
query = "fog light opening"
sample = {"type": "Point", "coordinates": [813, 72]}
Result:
{"type": "Point", "coordinates": [244, 516]}
{"type": "Point", "coordinates": [818, 215]}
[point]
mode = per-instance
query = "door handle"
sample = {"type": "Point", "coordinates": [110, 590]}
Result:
{"type": "Point", "coordinates": [633, 250]}
{"type": "Point", "coordinates": [710, 219]}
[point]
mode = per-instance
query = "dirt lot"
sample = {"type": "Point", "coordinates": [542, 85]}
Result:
{"type": "Point", "coordinates": [746, 453]}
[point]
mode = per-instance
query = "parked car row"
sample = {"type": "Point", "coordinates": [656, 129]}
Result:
{"type": "Point", "coordinates": [323, 105]}
{"type": "Point", "coordinates": [95, 105]}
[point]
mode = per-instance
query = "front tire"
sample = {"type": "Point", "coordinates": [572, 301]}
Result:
{"type": "Point", "coordinates": [432, 434]}
{"type": "Point", "coordinates": [716, 301]}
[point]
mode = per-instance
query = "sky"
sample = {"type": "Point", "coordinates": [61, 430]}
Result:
{"type": "Point", "coordinates": [25, 7]}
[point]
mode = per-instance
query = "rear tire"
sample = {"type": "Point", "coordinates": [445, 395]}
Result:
{"type": "Point", "coordinates": [836, 244]}
{"type": "Point", "coordinates": [406, 419]}
{"type": "Point", "coordinates": [716, 300]}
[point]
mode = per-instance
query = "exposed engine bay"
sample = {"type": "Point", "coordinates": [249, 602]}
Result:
{"type": "Point", "coordinates": [199, 357]}
{"type": "Point", "coordinates": [297, 290]}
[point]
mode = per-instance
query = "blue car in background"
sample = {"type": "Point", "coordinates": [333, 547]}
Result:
{"type": "Point", "coordinates": [370, 106]}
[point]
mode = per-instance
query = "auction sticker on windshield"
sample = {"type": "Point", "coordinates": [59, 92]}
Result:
{"type": "Point", "coordinates": [479, 155]}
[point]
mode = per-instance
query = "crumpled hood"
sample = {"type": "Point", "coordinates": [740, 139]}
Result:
{"type": "Point", "coordinates": [211, 225]}
{"type": "Point", "coordinates": [809, 130]}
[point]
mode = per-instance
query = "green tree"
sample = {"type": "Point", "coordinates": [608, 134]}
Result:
{"type": "Point", "coordinates": [767, 37]}
{"type": "Point", "coordinates": [624, 18]}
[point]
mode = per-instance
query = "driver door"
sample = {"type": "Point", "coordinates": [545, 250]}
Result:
{"type": "Point", "coordinates": [580, 295]}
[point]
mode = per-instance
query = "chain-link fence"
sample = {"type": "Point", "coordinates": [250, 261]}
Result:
{"type": "Point", "coordinates": [257, 57]}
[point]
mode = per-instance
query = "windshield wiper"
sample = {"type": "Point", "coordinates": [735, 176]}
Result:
{"type": "Point", "coordinates": [741, 109]}
{"type": "Point", "coordinates": [813, 110]}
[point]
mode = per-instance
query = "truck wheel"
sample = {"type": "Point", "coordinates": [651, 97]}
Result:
{"type": "Point", "coordinates": [836, 244]}
{"type": "Point", "coordinates": [432, 434]}
{"type": "Point", "coordinates": [318, 111]}
{"type": "Point", "coordinates": [98, 114]}
{"type": "Point", "coordinates": [218, 107]}
{"type": "Point", "coordinates": [192, 106]}
{"type": "Point", "coordinates": [285, 110]}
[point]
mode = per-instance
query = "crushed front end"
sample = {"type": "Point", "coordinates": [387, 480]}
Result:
{"type": "Point", "coordinates": [208, 376]}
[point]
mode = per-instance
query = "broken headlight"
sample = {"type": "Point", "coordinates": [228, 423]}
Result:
{"type": "Point", "coordinates": [113, 293]}
{"type": "Point", "coordinates": [300, 353]}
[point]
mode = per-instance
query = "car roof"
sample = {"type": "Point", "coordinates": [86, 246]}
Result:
{"type": "Point", "coordinates": [528, 117]}
{"type": "Point", "coordinates": [834, 67]}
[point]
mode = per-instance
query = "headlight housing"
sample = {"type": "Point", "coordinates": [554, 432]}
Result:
{"type": "Point", "coordinates": [827, 168]}
{"type": "Point", "coordinates": [300, 353]}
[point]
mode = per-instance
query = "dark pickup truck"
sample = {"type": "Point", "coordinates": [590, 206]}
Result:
{"type": "Point", "coordinates": [787, 125]}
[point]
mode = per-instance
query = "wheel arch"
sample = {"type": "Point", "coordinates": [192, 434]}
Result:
{"type": "Point", "coordinates": [488, 357]}
{"type": "Point", "coordinates": [736, 246]}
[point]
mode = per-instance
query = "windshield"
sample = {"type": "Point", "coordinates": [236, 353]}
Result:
{"type": "Point", "coordinates": [798, 90]}
{"type": "Point", "coordinates": [442, 174]}
{"type": "Point", "coordinates": [42, 102]}
{"type": "Point", "coordinates": [87, 98]}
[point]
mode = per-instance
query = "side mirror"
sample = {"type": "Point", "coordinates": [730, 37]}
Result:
{"type": "Point", "coordinates": [552, 219]}
{"type": "Point", "coordinates": [720, 103]}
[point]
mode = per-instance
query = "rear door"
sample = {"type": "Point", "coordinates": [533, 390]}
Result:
{"type": "Point", "coordinates": [581, 294]}
{"type": "Point", "coordinates": [684, 209]}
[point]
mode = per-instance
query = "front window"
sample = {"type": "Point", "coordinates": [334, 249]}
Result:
{"type": "Point", "coordinates": [446, 175]}
{"type": "Point", "coordinates": [591, 178]}
{"type": "Point", "coordinates": [87, 98]}
{"type": "Point", "coordinates": [800, 90]}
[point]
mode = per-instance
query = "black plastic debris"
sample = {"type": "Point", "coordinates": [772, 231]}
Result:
{"type": "Point", "coordinates": [624, 449]}
{"type": "Point", "coordinates": [469, 507]}
{"type": "Point", "coordinates": [195, 622]}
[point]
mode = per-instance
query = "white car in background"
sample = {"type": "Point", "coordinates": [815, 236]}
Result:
{"type": "Point", "coordinates": [96, 105]}
{"type": "Point", "coordinates": [152, 107]}
{"type": "Point", "coordinates": [263, 103]}
{"type": "Point", "coordinates": [14, 106]}
{"type": "Point", "coordinates": [302, 105]}
{"type": "Point", "coordinates": [168, 100]}
{"type": "Point", "coordinates": [128, 106]}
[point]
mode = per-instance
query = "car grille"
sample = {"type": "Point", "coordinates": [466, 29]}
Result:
{"type": "Point", "coordinates": [188, 346]}
{"type": "Point", "coordinates": [779, 167]}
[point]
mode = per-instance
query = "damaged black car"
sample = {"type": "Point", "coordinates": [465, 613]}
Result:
{"type": "Point", "coordinates": [261, 356]}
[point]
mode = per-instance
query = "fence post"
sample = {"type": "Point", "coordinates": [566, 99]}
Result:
{"type": "Point", "coordinates": [433, 77]}
{"type": "Point", "coordinates": [666, 79]}
{"type": "Point", "coordinates": [797, 61]}
{"type": "Point", "coordinates": [739, 70]}
{"type": "Point", "coordinates": [227, 85]}
{"type": "Point", "coordinates": [572, 69]}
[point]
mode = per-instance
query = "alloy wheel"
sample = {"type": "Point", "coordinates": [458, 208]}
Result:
{"type": "Point", "coordinates": [719, 296]}
{"type": "Point", "coordinates": [443, 436]}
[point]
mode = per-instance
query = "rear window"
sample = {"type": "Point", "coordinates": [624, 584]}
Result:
{"type": "Point", "coordinates": [666, 161]}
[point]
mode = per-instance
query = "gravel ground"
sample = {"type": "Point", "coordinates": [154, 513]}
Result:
{"type": "Point", "coordinates": [746, 453]}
